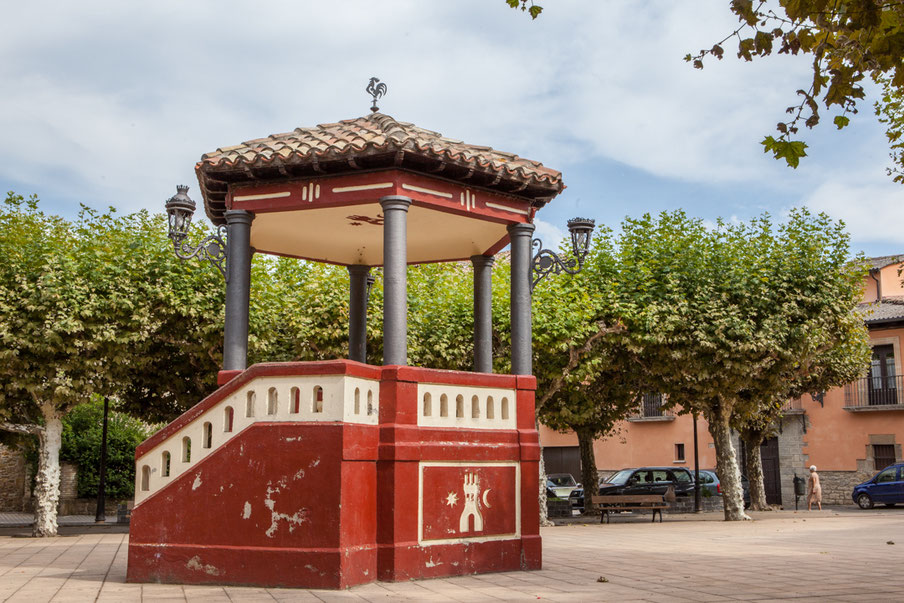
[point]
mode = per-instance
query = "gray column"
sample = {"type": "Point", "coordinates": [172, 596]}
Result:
{"type": "Point", "coordinates": [522, 345]}
{"type": "Point", "coordinates": [395, 279]}
{"type": "Point", "coordinates": [238, 289]}
{"type": "Point", "coordinates": [483, 313]}
{"type": "Point", "coordinates": [357, 312]}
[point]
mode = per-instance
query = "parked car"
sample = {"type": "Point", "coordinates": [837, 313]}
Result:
{"type": "Point", "coordinates": [561, 483]}
{"type": "Point", "coordinates": [886, 487]}
{"type": "Point", "coordinates": [709, 482]}
{"type": "Point", "coordinates": [644, 480]}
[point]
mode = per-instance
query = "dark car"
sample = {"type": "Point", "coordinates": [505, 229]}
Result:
{"type": "Point", "coordinates": [886, 487]}
{"type": "Point", "coordinates": [645, 480]}
{"type": "Point", "coordinates": [709, 482]}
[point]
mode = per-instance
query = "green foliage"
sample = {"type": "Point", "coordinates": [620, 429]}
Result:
{"type": "Point", "coordinates": [82, 433]}
{"type": "Point", "coordinates": [532, 9]}
{"type": "Point", "coordinates": [849, 40]}
{"type": "Point", "coordinates": [890, 110]}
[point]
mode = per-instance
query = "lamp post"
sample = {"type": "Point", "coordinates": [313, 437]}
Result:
{"type": "Point", "coordinates": [100, 513]}
{"type": "Point", "coordinates": [180, 209]}
{"type": "Point", "coordinates": [546, 262]}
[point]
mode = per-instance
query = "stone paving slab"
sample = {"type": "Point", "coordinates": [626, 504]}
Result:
{"type": "Point", "coordinates": [802, 556]}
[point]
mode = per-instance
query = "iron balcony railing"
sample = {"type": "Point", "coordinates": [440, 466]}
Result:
{"type": "Point", "coordinates": [650, 407]}
{"type": "Point", "coordinates": [793, 406]}
{"type": "Point", "coordinates": [875, 391]}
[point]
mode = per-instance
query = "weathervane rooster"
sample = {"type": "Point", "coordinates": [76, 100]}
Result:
{"type": "Point", "coordinates": [376, 90]}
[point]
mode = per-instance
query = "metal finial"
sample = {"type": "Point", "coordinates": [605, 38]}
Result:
{"type": "Point", "coordinates": [376, 90]}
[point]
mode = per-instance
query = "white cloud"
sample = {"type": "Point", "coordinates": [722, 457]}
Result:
{"type": "Point", "coordinates": [550, 234]}
{"type": "Point", "coordinates": [873, 212]}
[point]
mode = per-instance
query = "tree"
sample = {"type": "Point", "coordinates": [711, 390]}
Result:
{"type": "Point", "coordinates": [68, 326]}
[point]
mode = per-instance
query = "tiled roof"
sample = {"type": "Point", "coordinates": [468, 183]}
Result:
{"type": "Point", "coordinates": [890, 308]}
{"type": "Point", "coordinates": [372, 142]}
{"type": "Point", "coordinates": [883, 261]}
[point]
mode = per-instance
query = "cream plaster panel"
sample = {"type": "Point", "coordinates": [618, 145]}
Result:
{"type": "Point", "coordinates": [328, 234]}
{"type": "Point", "coordinates": [338, 406]}
{"type": "Point", "coordinates": [894, 341]}
{"type": "Point", "coordinates": [500, 399]}
{"type": "Point", "coordinates": [420, 502]}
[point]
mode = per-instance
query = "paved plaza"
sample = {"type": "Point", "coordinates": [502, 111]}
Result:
{"type": "Point", "coordinates": [833, 555]}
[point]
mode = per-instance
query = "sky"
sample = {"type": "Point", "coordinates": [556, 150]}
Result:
{"type": "Point", "coordinates": [109, 103]}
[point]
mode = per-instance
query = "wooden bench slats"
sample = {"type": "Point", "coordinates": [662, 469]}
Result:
{"type": "Point", "coordinates": [627, 502]}
{"type": "Point", "coordinates": [627, 498]}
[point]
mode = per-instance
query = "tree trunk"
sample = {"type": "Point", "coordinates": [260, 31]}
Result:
{"type": "Point", "coordinates": [589, 476]}
{"type": "Point", "coordinates": [754, 467]}
{"type": "Point", "coordinates": [47, 480]}
{"type": "Point", "coordinates": [544, 511]}
{"type": "Point", "coordinates": [727, 464]}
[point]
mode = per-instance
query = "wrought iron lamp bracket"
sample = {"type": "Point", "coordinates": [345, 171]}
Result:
{"type": "Point", "coordinates": [546, 262]}
{"type": "Point", "coordinates": [211, 248]}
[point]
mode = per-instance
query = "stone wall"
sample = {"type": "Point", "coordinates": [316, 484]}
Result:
{"type": "Point", "coordinates": [685, 504]}
{"type": "Point", "coordinates": [12, 480]}
{"type": "Point", "coordinates": [791, 458]}
{"type": "Point", "coordinates": [838, 485]}
{"type": "Point", "coordinates": [68, 480]}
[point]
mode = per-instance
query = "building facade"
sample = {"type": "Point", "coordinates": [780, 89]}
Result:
{"type": "Point", "coordinates": [849, 432]}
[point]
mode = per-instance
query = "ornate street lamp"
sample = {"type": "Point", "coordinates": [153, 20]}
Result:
{"type": "Point", "coordinates": [546, 262]}
{"type": "Point", "coordinates": [180, 209]}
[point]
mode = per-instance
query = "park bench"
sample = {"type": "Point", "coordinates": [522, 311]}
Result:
{"type": "Point", "coordinates": [631, 502]}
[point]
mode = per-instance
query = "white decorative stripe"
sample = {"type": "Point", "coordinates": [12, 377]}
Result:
{"type": "Point", "coordinates": [468, 200]}
{"type": "Point", "coordinates": [310, 192]}
{"type": "Point", "coordinates": [418, 189]}
{"type": "Point", "coordinates": [362, 187]}
{"type": "Point", "coordinates": [514, 210]}
{"type": "Point", "coordinates": [263, 196]}
{"type": "Point", "coordinates": [466, 407]}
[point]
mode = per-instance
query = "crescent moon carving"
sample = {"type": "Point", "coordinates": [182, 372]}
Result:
{"type": "Point", "coordinates": [485, 493]}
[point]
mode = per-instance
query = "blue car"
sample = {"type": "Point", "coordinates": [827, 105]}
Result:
{"type": "Point", "coordinates": [886, 487]}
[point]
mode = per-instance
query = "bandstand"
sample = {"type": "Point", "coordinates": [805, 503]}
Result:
{"type": "Point", "coordinates": [336, 473]}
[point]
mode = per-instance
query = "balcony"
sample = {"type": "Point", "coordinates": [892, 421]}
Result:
{"type": "Point", "coordinates": [875, 394]}
{"type": "Point", "coordinates": [793, 407]}
{"type": "Point", "coordinates": [649, 409]}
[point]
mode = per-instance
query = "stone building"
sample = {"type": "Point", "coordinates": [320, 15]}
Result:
{"type": "Point", "coordinates": [849, 433]}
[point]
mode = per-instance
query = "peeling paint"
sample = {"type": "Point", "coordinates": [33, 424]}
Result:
{"type": "Point", "coordinates": [298, 475]}
{"type": "Point", "coordinates": [247, 511]}
{"type": "Point", "coordinates": [195, 564]}
{"type": "Point", "coordinates": [197, 482]}
{"type": "Point", "coordinates": [431, 563]}
{"type": "Point", "coordinates": [314, 463]}
{"type": "Point", "coordinates": [295, 439]}
{"type": "Point", "coordinates": [294, 520]}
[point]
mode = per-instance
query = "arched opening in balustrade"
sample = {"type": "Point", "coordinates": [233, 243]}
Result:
{"type": "Point", "coordinates": [272, 401]}
{"type": "Point", "coordinates": [491, 408]}
{"type": "Point", "coordinates": [505, 409]}
{"type": "Point", "coordinates": [145, 478]}
{"type": "Point", "coordinates": [370, 403]}
{"type": "Point", "coordinates": [165, 464]}
{"type": "Point", "coordinates": [249, 404]}
{"type": "Point", "coordinates": [207, 440]}
{"type": "Point", "coordinates": [475, 407]}
{"type": "Point", "coordinates": [357, 400]}
{"type": "Point", "coordinates": [318, 399]}
{"type": "Point", "coordinates": [427, 405]}
{"type": "Point", "coordinates": [186, 449]}
{"type": "Point", "coordinates": [295, 404]}
{"type": "Point", "coordinates": [228, 416]}
{"type": "Point", "coordinates": [444, 406]}
{"type": "Point", "coordinates": [459, 407]}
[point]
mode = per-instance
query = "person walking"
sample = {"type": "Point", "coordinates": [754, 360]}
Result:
{"type": "Point", "coordinates": [814, 490]}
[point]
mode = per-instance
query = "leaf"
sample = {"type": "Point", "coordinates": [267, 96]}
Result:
{"type": "Point", "coordinates": [841, 121]}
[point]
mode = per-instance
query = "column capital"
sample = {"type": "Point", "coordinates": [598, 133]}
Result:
{"type": "Point", "coordinates": [239, 216]}
{"type": "Point", "coordinates": [521, 229]}
{"type": "Point", "coordinates": [483, 260]}
{"type": "Point", "coordinates": [358, 269]}
{"type": "Point", "coordinates": [395, 202]}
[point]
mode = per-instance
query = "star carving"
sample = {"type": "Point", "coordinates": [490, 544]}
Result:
{"type": "Point", "coordinates": [452, 499]}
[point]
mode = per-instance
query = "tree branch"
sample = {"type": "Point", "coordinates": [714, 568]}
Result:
{"type": "Point", "coordinates": [21, 429]}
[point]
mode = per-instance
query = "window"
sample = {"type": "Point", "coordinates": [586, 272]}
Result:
{"type": "Point", "coordinates": [884, 455]}
{"type": "Point", "coordinates": [886, 476]}
{"type": "Point", "coordinates": [165, 464]}
{"type": "Point", "coordinates": [249, 405]}
{"type": "Point", "coordinates": [272, 401]}
{"type": "Point", "coordinates": [145, 478]}
{"type": "Point", "coordinates": [443, 406]}
{"type": "Point", "coordinates": [294, 400]}
{"type": "Point", "coordinates": [186, 449]}
{"type": "Point", "coordinates": [882, 380]}
{"type": "Point", "coordinates": [228, 415]}
{"type": "Point", "coordinates": [318, 399]}
{"type": "Point", "coordinates": [684, 477]}
{"type": "Point", "coordinates": [652, 405]}
{"type": "Point", "coordinates": [207, 442]}
{"type": "Point", "coordinates": [679, 453]}
{"type": "Point", "coordinates": [427, 409]}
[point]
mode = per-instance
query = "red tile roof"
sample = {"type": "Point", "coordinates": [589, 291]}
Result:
{"type": "Point", "coordinates": [372, 142]}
